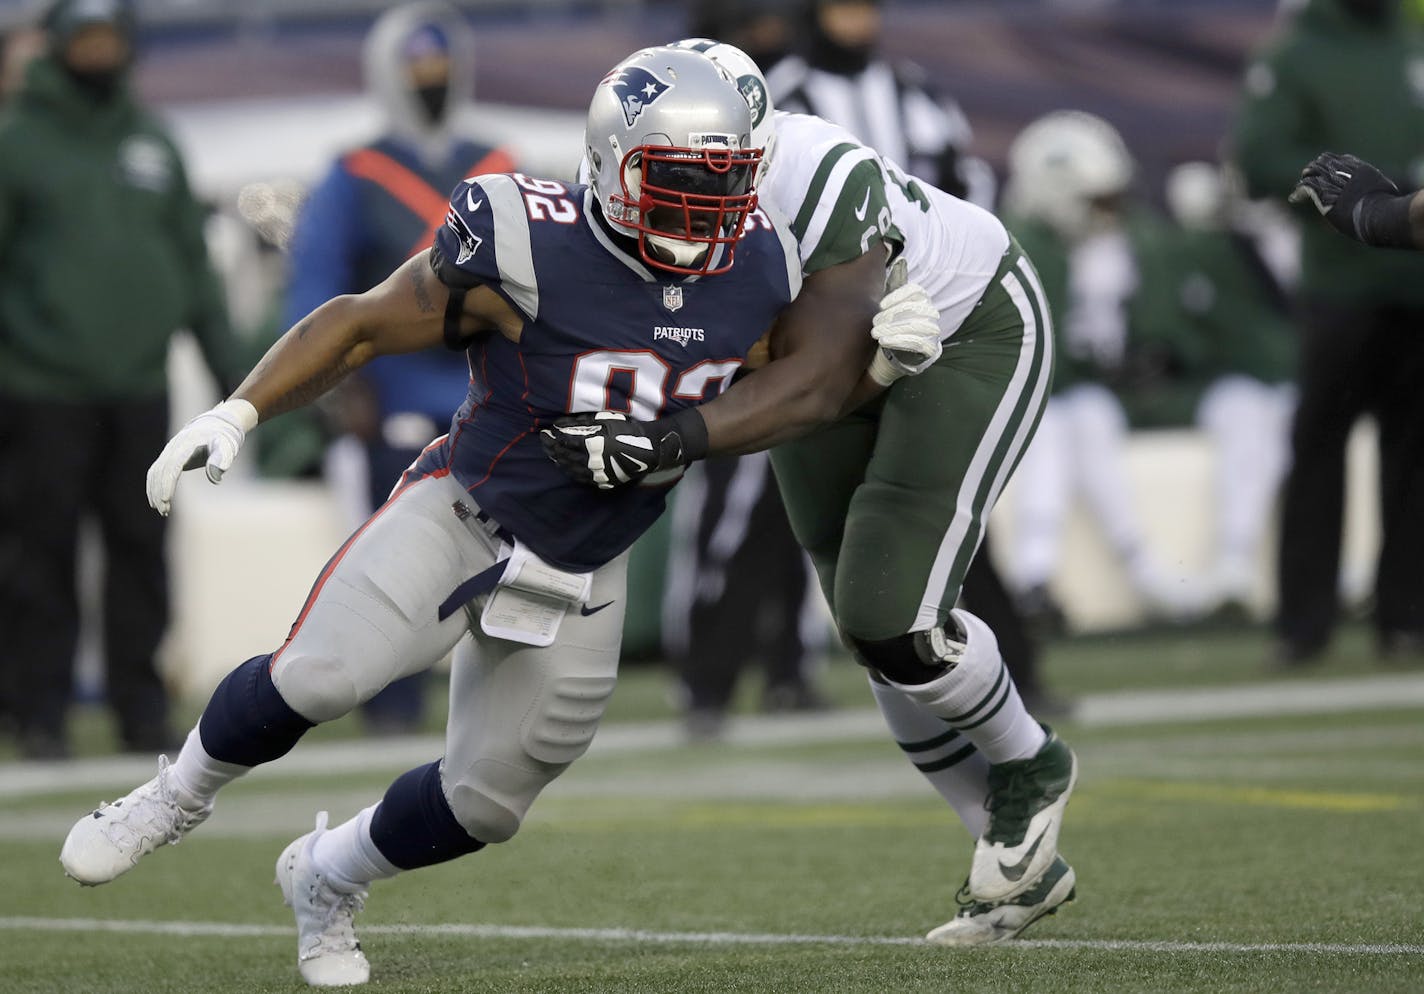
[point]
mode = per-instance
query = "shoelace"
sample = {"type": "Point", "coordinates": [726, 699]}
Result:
{"type": "Point", "coordinates": [158, 816]}
{"type": "Point", "coordinates": [1008, 802]}
{"type": "Point", "coordinates": [964, 898]}
{"type": "Point", "coordinates": [338, 930]}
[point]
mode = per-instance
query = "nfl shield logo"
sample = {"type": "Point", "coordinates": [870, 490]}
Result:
{"type": "Point", "coordinates": [672, 298]}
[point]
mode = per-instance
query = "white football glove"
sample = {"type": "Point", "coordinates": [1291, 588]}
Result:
{"type": "Point", "coordinates": [212, 438]}
{"type": "Point", "coordinates": [906, 327]}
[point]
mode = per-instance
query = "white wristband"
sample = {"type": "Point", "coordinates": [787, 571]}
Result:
{"type": "Point", "coordinates": [241, 411]}
{"type": "Point", "coordinates": [882, 370]}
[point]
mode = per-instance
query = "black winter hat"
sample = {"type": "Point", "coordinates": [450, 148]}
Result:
{"type": "Point", "coordinates": [65, 17]}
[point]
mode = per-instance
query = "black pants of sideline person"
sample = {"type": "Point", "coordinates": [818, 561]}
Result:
{"type": "Point", "coordinates": [1354, 361]}
{"type": "Point", "coordinates": [737, 589]}
{"type": "Point", "coordinates": [985, 595]}
{"type": "Point", "coordinates": [61, 463]}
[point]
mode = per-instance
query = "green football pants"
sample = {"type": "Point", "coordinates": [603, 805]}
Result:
{"type": "Point", "coordinates": [891, 500]}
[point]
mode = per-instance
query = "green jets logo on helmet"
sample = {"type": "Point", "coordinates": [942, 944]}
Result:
{"type": "Point", "coordinates": [754, 93]}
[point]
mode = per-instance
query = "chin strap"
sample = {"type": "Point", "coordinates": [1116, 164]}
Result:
{"type": "Point", "coordinates": [675, 249]}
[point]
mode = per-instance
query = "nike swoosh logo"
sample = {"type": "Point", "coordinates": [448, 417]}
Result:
{"type": "Point", "coordinates": [585, 610]}
{"type": "Point", "coordinates": [471, 204]}
{"type": "Point", "coordinates": [1017, 870]}
{"type": "Point", "coordinates": [865, 206]}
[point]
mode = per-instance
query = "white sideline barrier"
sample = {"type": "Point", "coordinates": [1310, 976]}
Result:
{"type": "Point", "coordinates": [242, 557]}
{"type": "Point", "coordinates": [1170, 473]}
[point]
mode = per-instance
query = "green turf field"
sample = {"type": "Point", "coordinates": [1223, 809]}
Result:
{"type": "Point", "coordinates": [1269, 842]}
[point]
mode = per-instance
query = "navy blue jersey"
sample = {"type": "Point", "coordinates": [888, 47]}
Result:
{"type": "Point", "coordinates": [602, 331]}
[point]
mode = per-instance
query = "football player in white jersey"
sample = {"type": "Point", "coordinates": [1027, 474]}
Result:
{"type": "Point", "coordinates": [891, 500]}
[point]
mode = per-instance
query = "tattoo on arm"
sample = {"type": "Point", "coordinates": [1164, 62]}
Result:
{"type": "Point", "coordinates": [422, 295]}
{"type": "Point", "coordinates": [310, 389]}
{"type": "Point", "coordinates": [304, 327]}
{"type": "Point", "coordinates": [303, 392]}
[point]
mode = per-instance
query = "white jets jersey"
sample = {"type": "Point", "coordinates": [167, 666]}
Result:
{"type": "Point", "coordinates": [839, 198]}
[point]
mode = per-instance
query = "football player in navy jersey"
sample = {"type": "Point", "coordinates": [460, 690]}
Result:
{"type": "Point", "coordinates": [639, 297]}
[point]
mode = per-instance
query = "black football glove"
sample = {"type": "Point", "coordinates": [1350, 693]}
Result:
{"type": "Point", "coordinates": [608, 449]}
{"type": "Point", "coordinates": [1356, 198]}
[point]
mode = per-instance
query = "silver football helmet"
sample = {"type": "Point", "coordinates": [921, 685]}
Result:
{"type": "Point", "coordinates": [671, 159]}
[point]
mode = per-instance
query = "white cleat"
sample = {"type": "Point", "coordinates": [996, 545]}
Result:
{"type": "Point", "coordinates": [328, 952]}
{"type": "Point", "coordinates": [107, 842]}
{"type": "Point", "coordinates": [1026, 801]}
{"type": "Point", "coordinates": [982, 923]}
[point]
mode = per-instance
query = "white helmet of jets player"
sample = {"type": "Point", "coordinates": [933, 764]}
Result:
{"type": "Point", "coordinates": [1064, 168]}
{"type": "Point", "coordinates": [671, 159]}
{"type": "Point", "coordinates": [753, 86]}
{"type": "Point", "coordinates": [1197, 195]}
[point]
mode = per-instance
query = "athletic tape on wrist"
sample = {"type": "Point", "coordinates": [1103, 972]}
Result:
{"type": "Point", "coordinates": [241, 411]}
{"type": "Point", "coordinates": [882, 370]}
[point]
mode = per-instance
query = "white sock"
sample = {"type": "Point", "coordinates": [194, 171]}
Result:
{"type": "Point", "coordinates": [197, 777]}
{"type": "Point", "coordinates": [979, 698]}
{"type": "Point", "coordinates": [939, 753]}
{"type": "Point", "coordinates": [347, 856]}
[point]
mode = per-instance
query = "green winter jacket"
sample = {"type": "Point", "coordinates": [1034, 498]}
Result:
{"type": "Point", "coordinates": [1331, 82]}
{"type": "Point", "coordinates": [1163, 372]}
{"type": "Point", "coordinates": [102, 255]}
{"type": "Point", "coordinates": [1229, 305]}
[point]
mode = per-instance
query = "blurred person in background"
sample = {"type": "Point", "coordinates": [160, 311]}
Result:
{"type": "Point", "coordinates": [102, 260]}
{"type": "Point", "coordinates": [1122, 363]}
{"type": "Point", "coordinates": [1345, 74]}
{"type": "Point", "coordinates": [739, 587]}
{"type": "Point", "coordinates": [1236, 306]}
{"type": "Point", "coordinates": [379, 205]}
{"type": "Point", "coordinates": [19, 47]}
{"type": "Point", "coordinates": [838, 73]}
{"type": "Point", "coordinates": [738, 590]}
{"type": "Point", "coordinates": [766, 30]}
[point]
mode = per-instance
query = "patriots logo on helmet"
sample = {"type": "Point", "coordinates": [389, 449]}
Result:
{"type": "Point", "coordinates": [636, 88]}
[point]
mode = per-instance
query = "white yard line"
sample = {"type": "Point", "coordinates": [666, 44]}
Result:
{"type": "Point", "coordinates": [1124, 708]}
{"type": "Point", "coordinates": [1336, 696]}
{"type": "Point", "coordinates": [226, 930]}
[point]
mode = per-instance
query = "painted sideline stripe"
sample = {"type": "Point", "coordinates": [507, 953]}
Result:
{"type": "Point", "coordinates": [224, 930]}
{"type": "Point", "coordinates": [1336, 696]}
{"type": "Point", "coordinates": [1121, 708]}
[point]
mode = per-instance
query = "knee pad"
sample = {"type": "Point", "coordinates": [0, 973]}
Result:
{"type": "Point", "coordinates": [511, 762]}
{"type": "Point", "coordinates": [318, 687]}
{"type": "Point", "coordinates": [491, 798]}
{"type": "Point", "coordinates": [907, 659]}
{"type": "Point", "coordinates": [974, 683]}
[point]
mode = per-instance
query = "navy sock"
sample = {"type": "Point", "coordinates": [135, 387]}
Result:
{"type": "Point", "coordinates": [246, 721]}
{"type": "Point", "coordinates": [414, 826]}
